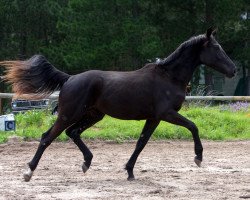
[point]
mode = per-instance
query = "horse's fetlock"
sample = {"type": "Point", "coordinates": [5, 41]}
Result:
{"type": "Point", "coordinates": [89, 157]}
{"type": "Point", "coordinates": [198, 149]}
{"type": "Point", "coordinates": [32, 166]}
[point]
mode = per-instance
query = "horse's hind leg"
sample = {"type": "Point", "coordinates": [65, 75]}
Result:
{"type": "Point", "coordinates": [46, 140]}
{"type": "Point", "coordinates": [75, 131]}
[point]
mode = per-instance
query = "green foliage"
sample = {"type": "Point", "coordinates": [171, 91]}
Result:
{"type": "Point", "coordinates": [33, 123]}
{"type": "Point", "coordinates": [214, 123]}
{"type": "Point", "coordinates": [77, 35]}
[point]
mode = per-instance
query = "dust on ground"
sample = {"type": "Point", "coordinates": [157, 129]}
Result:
{"type": "Point", "coordinates": [164, 170]}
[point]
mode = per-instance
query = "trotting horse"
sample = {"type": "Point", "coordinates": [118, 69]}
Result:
{"type": "Point", "coordinates": [152, 93]}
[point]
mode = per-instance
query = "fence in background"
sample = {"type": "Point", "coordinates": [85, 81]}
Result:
{"type": "Point", "coordinates": [214, 98]}
{"type": "Point", "coordinates": [219, 98]}
{"type": "Point", "coordinates": [54, 97]}
{"type": "Point", "coordinates": [11, 95]}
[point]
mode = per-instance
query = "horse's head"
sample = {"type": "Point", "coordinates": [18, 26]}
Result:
{"type": "Point", "coordinates": [215, 57]}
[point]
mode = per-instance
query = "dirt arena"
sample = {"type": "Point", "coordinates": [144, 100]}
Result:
{"type": "Point", "coordinates": [165, 170]}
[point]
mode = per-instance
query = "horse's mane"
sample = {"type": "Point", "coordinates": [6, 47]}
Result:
{"type": "Point", "coordinates": [177, 53]}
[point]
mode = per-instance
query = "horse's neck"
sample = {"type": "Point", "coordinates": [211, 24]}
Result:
{"type": "Point", "coordinates": [182, 69]}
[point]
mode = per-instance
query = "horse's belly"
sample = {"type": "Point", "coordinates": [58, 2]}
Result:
{"type": "Point", "coordinates": [127, 111]}
{"type": "Point", "coordinates": [129, 116]}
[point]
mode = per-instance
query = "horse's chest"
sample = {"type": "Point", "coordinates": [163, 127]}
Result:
{"type": "Point", "coordinates": [172, 99]}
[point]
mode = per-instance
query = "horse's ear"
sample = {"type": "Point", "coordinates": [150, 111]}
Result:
{"type": "Point", "coordinates": [209, 32]}
{"type": "Point", "coordinates": [214, 32]}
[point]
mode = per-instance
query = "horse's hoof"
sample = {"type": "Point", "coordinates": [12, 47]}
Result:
{"type": "Point", "coordinates": [197, 162]}
{"type": "Point", "coordinates": [132, 178]}
{"type": "Point", "coordinates": [84, 168]}
{"type": "Point", "coordinates": [27, 175]}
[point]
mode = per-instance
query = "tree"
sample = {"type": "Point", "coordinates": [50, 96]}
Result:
{"type": "Point", "coordinates": [97, 34]}
{"type": "Point", "coordinates": [78, 35]}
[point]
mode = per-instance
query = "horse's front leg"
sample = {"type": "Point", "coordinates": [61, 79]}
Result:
{"type": "Point", "coordinates": [147, 131]}
{"type": "Point", "coordinates": [175, 118]}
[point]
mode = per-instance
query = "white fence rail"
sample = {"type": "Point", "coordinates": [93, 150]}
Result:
{"type": "Point", "coordinates": [214, 98]}
{"type": "Point", "coordinates": [11, 95]}
{"type": "Point", "coordinates": [219, 98]}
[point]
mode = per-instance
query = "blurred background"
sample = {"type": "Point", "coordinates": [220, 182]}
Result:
{"type": "Point", "coordinates": [79, 35]}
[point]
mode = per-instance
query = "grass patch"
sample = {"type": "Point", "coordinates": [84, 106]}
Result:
{"type": "Point", "coordinates": [217, 124]}
{"type": "Point", "coordinates": [214, 123]}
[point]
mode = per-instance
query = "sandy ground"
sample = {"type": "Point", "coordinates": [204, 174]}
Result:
{"type": "Point", "coordinates": [165, 170]}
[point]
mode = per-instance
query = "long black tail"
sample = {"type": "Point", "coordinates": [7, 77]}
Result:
{"type": "Point", "coordinates": [34, 78]}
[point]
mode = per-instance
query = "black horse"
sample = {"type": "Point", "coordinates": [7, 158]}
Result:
{"type": "Point", "coordinates": [153, 93]}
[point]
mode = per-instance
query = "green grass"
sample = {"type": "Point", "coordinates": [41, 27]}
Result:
{"type": "Point", "coordinates": [214, 123]}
